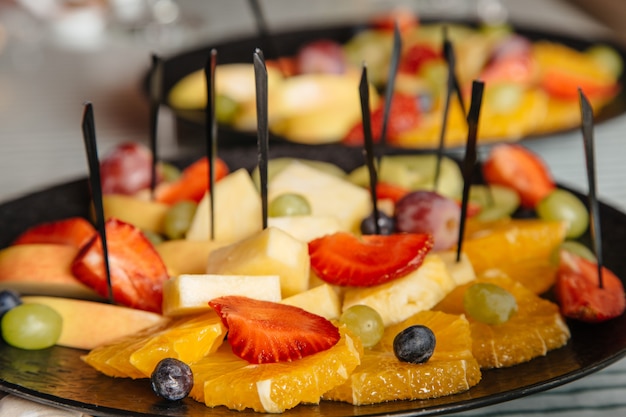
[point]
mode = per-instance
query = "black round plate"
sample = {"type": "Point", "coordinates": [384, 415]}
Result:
{"type": "Point", "coordinates": [57, 375]}
{"type": "Point", "coordinates": [190, 123]}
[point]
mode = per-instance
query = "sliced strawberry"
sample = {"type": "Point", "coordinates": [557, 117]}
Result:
{"type": "Point", "coordinates": [416, 56]}
{"type": "Point", "coordinates": [344, 259]}
{"type": "Point", "coordinates": [192, 184]}
{"type": "Point", "coordinates": [564, 85]}
{"type": "Point", "coordinates": [388, 191]}
{"type": "Point", "coordinates": [580, 296]}
{"type": "Point", "coordinates": [137, 271]}
{"type": "Point", "coordinates": [520, 169]}
{"type": "Point", "coordinates": [74, 231]}
{"type": "Point", "coordinates": [404, 115]}
{"type": "Point", "coordinates": [267, 332]}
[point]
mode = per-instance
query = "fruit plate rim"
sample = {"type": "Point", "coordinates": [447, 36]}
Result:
{"type": "Point", "coordinates": [233, 49]}
{"type": "Point", "coordinates": [57, 376]}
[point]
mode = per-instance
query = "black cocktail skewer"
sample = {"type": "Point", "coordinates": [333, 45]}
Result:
{"type": "Point", "coordinates": [391, 81]}
{"type": "Point", "coordinates": [368, 141]}
{"type": "Point", "coordinates": [469, 162]}
{"type": "Point", "coordinates": [156, 92]}
{"type": "Point", "coordinates": [264, 33]}
{"type": "Point", "coordinates": [89, 136]}
{"type": "Point", "coordinates": [594, 207]}
{"type": "Point", "coordinates": [211, 134]}
{"type": "Point", "coordinates": [452, 87]}
{"type": "Point", "coordinates": [260, 76]}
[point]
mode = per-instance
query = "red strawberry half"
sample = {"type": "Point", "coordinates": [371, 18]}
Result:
{"type": "Point", "coordinates": [74, 231]}
{"type": "Point", "coordinates": [344, 259]}
{"type": "Point", "coordinates": [266, 332]}
{"type": "Point", "coordinates": [137, 271]}
{"type": "Point", "coordinates": [580, 296]}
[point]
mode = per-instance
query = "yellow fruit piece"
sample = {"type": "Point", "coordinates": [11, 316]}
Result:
{"type": "Point", "coordinates": [274, 387]}
{"type": "Point", "coordinates": [188, 339]}
{"type": "Point", "coordinates": [501, 243]}
{"type": "Point", "coordinates": [143, 213]}
{"type": "Point", "coordinates": [536, 328]}
{"type": "Point", "coordinates": [182, 256]}
{"type": "Point", "coordinates": [551, 55]}
{"type": "Point", "coordinates": [382, 377]}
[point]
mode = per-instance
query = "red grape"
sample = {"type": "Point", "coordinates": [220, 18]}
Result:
{"type": "Point", "coordinates": [321, 57]}
{"type": "Point", "coordinates": [127, 169]}
{"type": "Point", "coordinates": [429, 212]}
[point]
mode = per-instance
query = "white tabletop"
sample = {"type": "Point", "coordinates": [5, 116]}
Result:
{"type": "Point", "coordinates": [44, 81]}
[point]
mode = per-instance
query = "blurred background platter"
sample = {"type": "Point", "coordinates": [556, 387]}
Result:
{"type": "Point", "coordinates": [190, 122]}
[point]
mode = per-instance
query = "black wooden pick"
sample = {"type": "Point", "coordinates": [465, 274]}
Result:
{"type": "Point", "coordinates": [452, 87]}
{"type": "Point", "coordinates": [594, 207]}
{"type": "Point", "coordinates": [156, 95]}
{"type": "Point", "coordinates": [469, 162]}
{"type": "Point", "coordinates": [211, 134]}
{"type": "Point", "coordinates": [260, 76]}
{"type": "Point", "coordinates": [89, 136]}
{"type": "Point", "coordinates": [364, 94]}
{"type": "Point", "coordinates": [391, 80]}
{"type": "Point", "coordinates": [264, 33]}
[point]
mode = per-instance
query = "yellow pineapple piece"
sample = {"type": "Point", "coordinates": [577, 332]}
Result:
{"type": "Point", "coordinates": [401, 298]}
{"type": "Point", "coordinates": [274, 387]}
{"type": "Point", "coordinates": [382, 377]}
{"type": "Point", "coordinates": [536, 328]}
{"type": "Point", "coordinates": [269, 252]}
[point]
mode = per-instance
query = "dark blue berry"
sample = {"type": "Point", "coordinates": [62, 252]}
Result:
{"type": "Point", "coordinates": [8, 300]}
{"type": "Point", "coordinates": [387, 224]}
{"type": "Point", "coordinates": [172, 379]}
{"type": "Point", "coordinates": [414, 344]}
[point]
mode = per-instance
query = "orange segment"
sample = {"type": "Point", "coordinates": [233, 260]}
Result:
{"type": "Point", "coordinates": [520, 247]}
{"type": "Point", "coordinates": [188, 339]}
{"type": "Point", "coordinates": [274, 387]}
{"type": "Point", "coordinates": [382, 377]}
{"type": "Point", "coordinates": [535, 329]}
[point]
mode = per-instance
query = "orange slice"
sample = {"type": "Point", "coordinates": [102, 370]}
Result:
{"type": "Point", "coordinates": [382, 377]}
{"type": "Point", "coordinates": [520, 247]}
{"type": "Point", "coordinates": [273, 387]}
{"type": "Point", "coordinates": [188, 339]}
{"type": "Point", "coordinates": [535, 329]}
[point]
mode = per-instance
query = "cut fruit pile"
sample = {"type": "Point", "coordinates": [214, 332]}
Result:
{"type": "Point", "coordinates": [531, 86]}
{"type": "Point", "coordinates": [260, 315]}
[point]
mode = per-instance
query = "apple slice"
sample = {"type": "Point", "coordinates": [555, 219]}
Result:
{"type": "Point", "coordinates": [88, 324]}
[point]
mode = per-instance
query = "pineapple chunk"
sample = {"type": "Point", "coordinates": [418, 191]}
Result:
{"type": "Point", "coordinates": [401, 298]}
{"type": "Point", "coordinates": [306, 228]}
{"type": "Point", "coordinates": [327, 194]}
{"type": "Point", "coordinates": [270, 252]}
{"type": "Point", "coordinates": [237, 210]}
{"type": "Point", "coordinates": [188, 294]}
{"type": "Point", "coordinates": [322, 300]}
{"type": "Point", "coordinates": [462, 271]}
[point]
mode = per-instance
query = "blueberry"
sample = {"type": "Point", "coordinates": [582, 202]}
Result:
{"type": "Point", "coordinates": [172, 379]}
{"type": "Point", "coordinates": [387, 224]}
{"type": "Point", "coordinates": [414, 344]}
{"type": "Point", "coordinates": [8, 300]}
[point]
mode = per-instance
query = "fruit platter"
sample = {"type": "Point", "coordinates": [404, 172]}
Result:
{"type": "Point", "coordinates": [85, 370]}
{"type": "Point", "coordinates": [529, 76]}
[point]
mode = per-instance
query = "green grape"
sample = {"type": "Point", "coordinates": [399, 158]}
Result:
{"type": "Point", "coordinates": [365, 322]}
{"type": "Point", "coordinates": [178, 219]}
{"type": "Point", "coordinates": [496, 201]}
{"type": "Point", "coordinates": [225, 109]}
{"type": "Point", "coordinates": [153, 237]}
{"type": "Point", "coordinates": [31, 326]}
{"type": "Point", "coordinates": [289, 205]}
{"type": "Point", "coordinates": [574, 247]}
{"type": "Point", "coordinates": [562, 205]}
{"type": "Point", "coordinates": [608, 58]}
{"type": "Point", "coordinates": [169, 171]}
{"type": "Point", "coordinates": [489, 303]}
{"type": "Point", "coordinates": [504, 98]}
